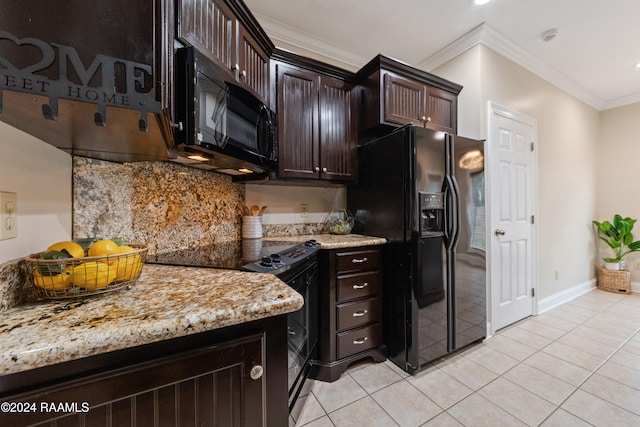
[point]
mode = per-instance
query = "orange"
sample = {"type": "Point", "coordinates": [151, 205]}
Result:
{"type": "Point", "coordinates": [103, 248]}
{"type": "Point", "coordinates": [74, 249]}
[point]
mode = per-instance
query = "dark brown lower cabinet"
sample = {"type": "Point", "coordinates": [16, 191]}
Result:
{"type": "Point", "coordinates": [232, 382]}
{"type": "Point", "coordinates": [350, 310]}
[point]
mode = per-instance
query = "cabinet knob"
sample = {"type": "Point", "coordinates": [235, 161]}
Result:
{"type": "Point", "coordinates": [359, 260]}
{"type": "Point", "coordinates": [317, 168]}
{"type": "Point", "coordinates": [235, 67]}
{"type": "Point", "coordinates": [428, 119]}
{"type": "Point", "coordinates": [364, 285]}
{"type": "Point", "coordinates": [360, 313]}
{"type": "Point", "coordinates": [243, 74]}
{"type": "Point", "coordinates": [324, 169]}
{"type": "Point", "coordinates": [360, 341]}
{"type": "Point", "coordinates": [256, 372]}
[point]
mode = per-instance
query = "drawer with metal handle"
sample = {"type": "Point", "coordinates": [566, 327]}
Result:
{"type": "Point", "coordinates": [357, 340]}
{"type": "Point", "coordinates": [357, 285]}
{"type": "Point", "coordinates": [354, 314]}
{"type": "Point", "coordinates": [357, 260]}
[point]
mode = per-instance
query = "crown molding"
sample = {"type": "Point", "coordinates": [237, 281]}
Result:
{"type": "Point", "coordinates": [282, 33]}
{"type": "Point", "coordinates": [624, 100]}
{"type": "Point", "coordinates": [482, 34]}
{"type": "Point", "coordinates": [489, 37]}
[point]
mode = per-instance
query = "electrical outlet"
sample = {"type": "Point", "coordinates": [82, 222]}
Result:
{"type": "Point", "coordinates": [8, 215]}
{"type": "Point", "coordinates": [304, 210]}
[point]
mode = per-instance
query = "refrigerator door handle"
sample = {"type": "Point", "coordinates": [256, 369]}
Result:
{"type": "Point", "coordinates": [450, 212]}
{"type": "Point", "coordinates": [456, 199]}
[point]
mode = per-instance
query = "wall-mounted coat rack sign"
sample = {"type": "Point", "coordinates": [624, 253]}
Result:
{"type": "Point", "coordinates": [106, 81]}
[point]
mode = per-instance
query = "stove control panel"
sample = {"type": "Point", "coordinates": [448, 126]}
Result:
{"type": "Point", "coordinates": [285, 259]}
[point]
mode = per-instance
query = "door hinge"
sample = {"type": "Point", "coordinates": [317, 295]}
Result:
{"type": "Point", "coordinates": [533, 292]}
{"type": "Point", "coordinates": [532, 146]}
{"type": "Point", "coordinates": [533, 219]}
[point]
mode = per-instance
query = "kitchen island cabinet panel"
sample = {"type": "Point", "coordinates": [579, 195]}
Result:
{"type": "Point", "coordinates": [215, 384]}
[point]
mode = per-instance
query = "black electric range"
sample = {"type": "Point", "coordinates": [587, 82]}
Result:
{"type": "Point", "coordinates": [257, 255]}
{"type": "Point", "coordinates": [294, 263]}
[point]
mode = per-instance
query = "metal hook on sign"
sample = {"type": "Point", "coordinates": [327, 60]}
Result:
{"type": "Point", "coordinates": [142, 123]}
{"type": "Point", "coordinates": [50, 110]}
{"type": "Point", "coordinates": [100, 117]}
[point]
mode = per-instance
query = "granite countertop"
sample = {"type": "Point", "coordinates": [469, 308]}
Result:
{"type": "Point", "coordinates": [335, 241]}
{"type": "Point", "coordinates": [166, 302]}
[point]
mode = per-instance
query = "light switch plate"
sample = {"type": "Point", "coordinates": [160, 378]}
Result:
{"type": "Point", "coordinates": [8, 215]}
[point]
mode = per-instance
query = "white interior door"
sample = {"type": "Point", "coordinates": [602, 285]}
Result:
{"type": "Point", "coordinates": [512, 217]}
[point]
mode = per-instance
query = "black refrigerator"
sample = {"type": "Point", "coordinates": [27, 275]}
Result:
{"type": "Point", "coordinates": [423, 191]}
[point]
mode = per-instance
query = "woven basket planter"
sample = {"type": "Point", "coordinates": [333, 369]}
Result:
{"type": "Point", "coordinates": [618, 281]}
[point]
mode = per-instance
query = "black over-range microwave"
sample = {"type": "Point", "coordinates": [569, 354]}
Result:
{"type": "Point", "coordinates": [219, 123]}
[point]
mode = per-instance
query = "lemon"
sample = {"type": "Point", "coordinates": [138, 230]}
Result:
{"type": "Point", "coordinates": [58, 282]}
{"type": "Point", "coordinates": [129, 265]}
{"type": "Point", "coordinates": [74, 249]}
{"type": "Point", "coordinates": [93, 275]}
{"type": "Point", "coordinates": [103, 248]}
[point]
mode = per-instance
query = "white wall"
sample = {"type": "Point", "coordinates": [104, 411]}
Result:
{"type": "Point", "coordinates": [41, 176]}
{"type": "Point", "coordinates": [617, 170]}
{"type": "Point", "coordinates": [284, 202]}
{"type": "Point", "coordinates": [568, 138]}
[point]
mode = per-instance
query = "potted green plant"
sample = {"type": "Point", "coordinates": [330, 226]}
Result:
{"type": "Point", "coordinates": [617, 235]}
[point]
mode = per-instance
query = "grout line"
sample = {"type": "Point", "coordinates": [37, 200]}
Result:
{"type": "Point", "coordinates": [592, 373]}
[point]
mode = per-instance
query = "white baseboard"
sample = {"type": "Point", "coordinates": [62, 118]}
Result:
{"type": "Point", "coordinates": [561, 297]}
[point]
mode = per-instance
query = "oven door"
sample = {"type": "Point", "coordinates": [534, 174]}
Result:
{"type": "Point", "coordinates": [302, 329]}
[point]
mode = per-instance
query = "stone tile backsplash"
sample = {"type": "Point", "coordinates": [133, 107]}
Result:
{"type": "Point", "coordinates": [163, 205]}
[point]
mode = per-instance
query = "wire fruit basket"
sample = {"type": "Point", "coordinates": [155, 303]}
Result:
{"type": "Point", "coordinates": [90, 275]}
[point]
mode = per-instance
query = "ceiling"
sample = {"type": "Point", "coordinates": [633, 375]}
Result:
{"type": "Point", "coordinates": [593, 56]}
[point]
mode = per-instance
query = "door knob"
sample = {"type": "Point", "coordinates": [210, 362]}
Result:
{"type": "Point", "coordinates": [500, 232]}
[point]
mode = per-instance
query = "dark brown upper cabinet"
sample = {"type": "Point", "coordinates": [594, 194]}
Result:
{"type": "Point", "coordinates": [316, 135]}
{"type": "Point", "coordinates": [392, 93]}
{"type": "Point", "coordinates": [408, 101]}
{"type": "Point", "coordinates": [229, 35]}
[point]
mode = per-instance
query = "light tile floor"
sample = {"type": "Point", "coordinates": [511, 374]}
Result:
{"type": "Point", "coordinates": [575, 365]}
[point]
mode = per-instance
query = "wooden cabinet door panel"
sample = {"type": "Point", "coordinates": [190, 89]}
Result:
{"type": "Point", "coordinates": [208, 386]}
{"type": "Point", "coordinates": [253, 65]}
{"type": "Point", "coordinates": [298, 154]}
{"type": "Point", "coordinates": [442, 109]}
{"type": "Point", "coordinates": [337, 140]}
{"type": "Point", "coordinates": [211, 28]}
{"type": "Point", "coordinates": [404, 100]}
